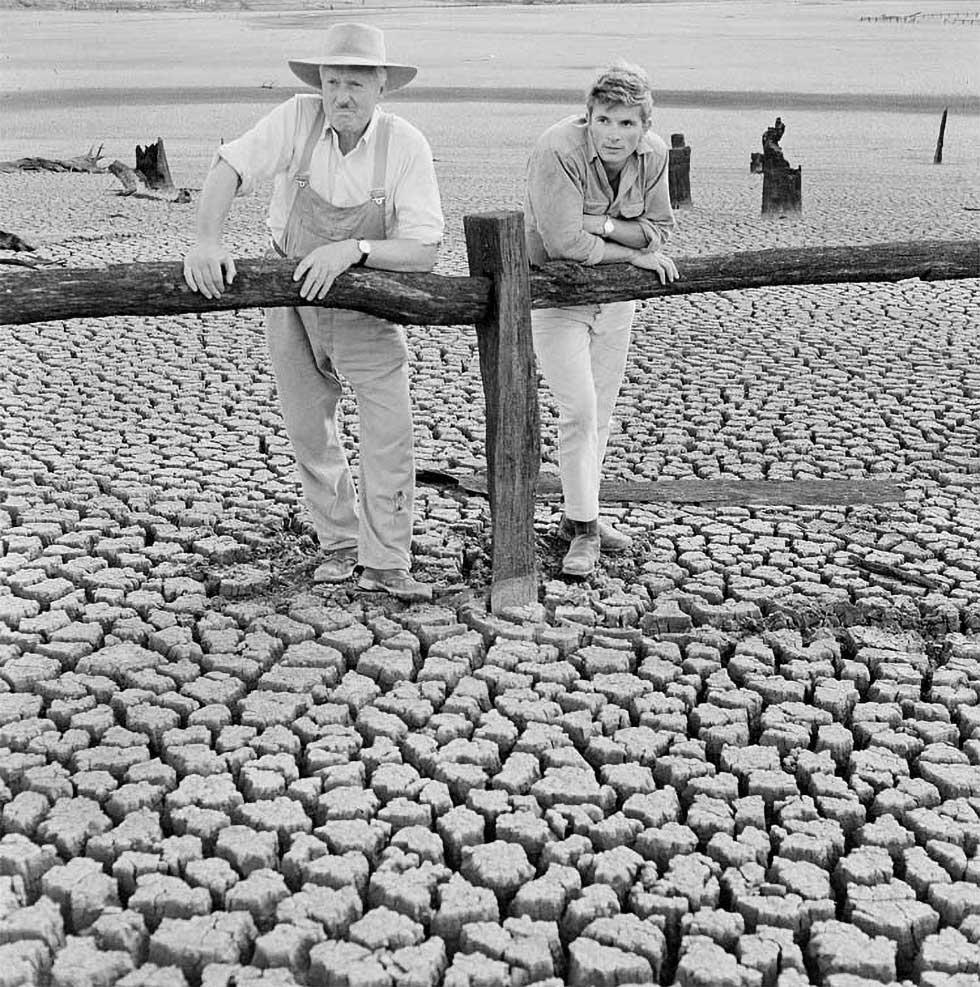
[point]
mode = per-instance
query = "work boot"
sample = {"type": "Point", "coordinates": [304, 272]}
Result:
{"type": "Point", "coordinates": [337, 565]}
{"type": "Point", "coordinates": [396, 582]}
{"type": "Point", "coordinates": [611, 541]}
{"type": "Point", "coordinates": [583, 553]}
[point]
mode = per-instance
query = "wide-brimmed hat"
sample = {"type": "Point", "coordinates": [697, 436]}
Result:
{"type": "Point", "coordinates": [355, 45]}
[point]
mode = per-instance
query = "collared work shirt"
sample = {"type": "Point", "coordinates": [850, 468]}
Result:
{"type": "Point", "coordinates": [273, 147]}
{"type": "Point", "coordinates": [566, 178]}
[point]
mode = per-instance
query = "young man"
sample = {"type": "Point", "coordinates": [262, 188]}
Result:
{"type": "Point", "coordinates": [354, 185]}
{"type": "Point", "coordinates": [597, 194]}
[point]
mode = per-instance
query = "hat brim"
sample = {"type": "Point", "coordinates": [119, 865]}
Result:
{"type": "Point", "coordinates": [309, 71]}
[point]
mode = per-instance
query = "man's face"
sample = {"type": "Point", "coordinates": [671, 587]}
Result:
{"type": "Point", "coordinates": [616, 129]}
{"type": "Point", "coordinates": [350, 94]}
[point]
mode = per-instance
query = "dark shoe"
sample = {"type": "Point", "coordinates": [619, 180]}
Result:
{"type": "Point", "coordinates": [337, 566]}
{"type": "Point", "coordinates": [611, 541]}
{"type": "Point", "coordinates": [583, 554]}
{"type": "Point", "coordinates": [396, 582]}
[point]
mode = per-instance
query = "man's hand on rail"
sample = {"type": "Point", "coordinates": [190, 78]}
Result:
{"type": "Point", "coordinates": [208, 268]}
{"type": "Point", "coordinates": [655, 261]}
{"type": "Point", "coordinates": [319, 269]}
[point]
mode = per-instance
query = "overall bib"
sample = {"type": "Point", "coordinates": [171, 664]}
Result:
{"type": "Point", "coordinates": [311, 348]}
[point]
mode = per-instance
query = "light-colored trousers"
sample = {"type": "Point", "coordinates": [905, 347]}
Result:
{"type": "Point", "coordinates": [311, 349]}
{"type": "Point", "coordinates": [581, 352]}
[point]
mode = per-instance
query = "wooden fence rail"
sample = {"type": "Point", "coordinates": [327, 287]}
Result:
{"type": "Point", "coordinates": [437, 300]}
{"type": "Point", "coordinates": [497, 298]}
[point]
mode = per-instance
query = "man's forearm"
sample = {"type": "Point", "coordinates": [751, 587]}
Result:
{"type": "Point", "coordinates": [616, 253]}
{"type": "Point", "coordinates": [402, 255]}
{"type": "Point", "coordinates": [217, 196]}
{"type": "Point", "coordinates": [628, 233]}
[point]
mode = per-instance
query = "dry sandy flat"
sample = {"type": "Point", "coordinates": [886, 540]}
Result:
{"type": "Point", "coordinates": [741, 45]}
{"type": "Point", "coordinates": [724, 70]}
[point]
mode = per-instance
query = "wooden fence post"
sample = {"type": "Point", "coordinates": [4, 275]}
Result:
{"type": "Point", "coordinates": [937, 158]}
{"type": "Point", "coordinates": [495, 249]}
{"type": "Point", "coordinates": [679, 171]}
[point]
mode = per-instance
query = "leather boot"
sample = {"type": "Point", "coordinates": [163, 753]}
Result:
{"type": "Point", "coordinates": [583, 553]}
{"type": "Point", "coordinates": [611, 541]}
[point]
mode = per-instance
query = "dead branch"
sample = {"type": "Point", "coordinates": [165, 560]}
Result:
{"type": "Point", "coordinates": [88, 162]}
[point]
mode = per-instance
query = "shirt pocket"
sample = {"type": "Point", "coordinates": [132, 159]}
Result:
{"type": "Point", "coordinates": [594, 205]}
{"type": "Point", "coordinates": [632, 205]}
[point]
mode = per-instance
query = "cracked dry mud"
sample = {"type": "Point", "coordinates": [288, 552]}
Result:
{"type": "Point", "coordinates": [736, 757]}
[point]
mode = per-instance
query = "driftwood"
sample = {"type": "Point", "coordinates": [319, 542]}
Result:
{"type": "Point", "coordinates": [81, 162]}
{"type": "Point", "coordinates": [20, 262]}
{"type": "Point", "coordinates": [431, 299]}
{"type": "Point", "coordinates": [894, 572]}
{"type": "Point", "coordinates": [10, 241]}
{"type": "Point", "coordinates": [735, 493]}
{"type": "Point", "coordinates": [132, 180]}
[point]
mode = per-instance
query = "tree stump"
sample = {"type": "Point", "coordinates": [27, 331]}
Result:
{"type": "Point", "coordinates": [151, 163]}
{"type": "Point", "coordinates": [782, 191]}
{"type": "Point", "coordinates": [679, 171]}
{"type": "Point", "coordinates": [782, 186]}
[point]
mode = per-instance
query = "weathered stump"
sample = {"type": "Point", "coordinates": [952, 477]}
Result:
{"type": "Point", "coordinates": [495, 249]}
{"type": "Point", "coordinates": [679, 171]}
{"type": "Point", "coordinates": [782, 186]}
{"type": "Point", "coordinates": [782, 191]}
{"type": "Point", "coordinates": [151, 163]}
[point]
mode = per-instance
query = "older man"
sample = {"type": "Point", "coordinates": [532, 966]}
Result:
{"type": "Point", "coordinates": [354, 185]}
{"type": "Point", "coordinates": [596, 193]}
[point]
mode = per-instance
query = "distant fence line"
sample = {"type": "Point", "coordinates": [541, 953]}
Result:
{"type": "Point", "coordinates": [919, 16]}
{"type": "Point", "coordinates": [497, 298]}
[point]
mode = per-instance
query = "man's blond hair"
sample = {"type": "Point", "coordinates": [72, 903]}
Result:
{"type": "Point", "coordinates": [625, 84]}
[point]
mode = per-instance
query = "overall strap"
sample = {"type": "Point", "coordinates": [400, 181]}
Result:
{"type": "Point", "coordinates": [303, 173]}
{"type": "Point", "coordinates": [377, 192]}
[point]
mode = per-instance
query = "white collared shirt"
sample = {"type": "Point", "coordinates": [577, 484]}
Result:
{"type": "Point", "coordinates": [273, 147]}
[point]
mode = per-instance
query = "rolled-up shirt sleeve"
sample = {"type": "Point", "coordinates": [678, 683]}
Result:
{"type": "Point", "coordinates": [657, 219]}
{"type": "Point", "coordinates": [556, 196]}
{"type": "Point", "coordinates": [415, 192]}
{"type": "Point", "coordinates": [266, 149]}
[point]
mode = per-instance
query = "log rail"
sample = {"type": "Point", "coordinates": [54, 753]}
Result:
{"type": "Point", "coordinates": [439, 300]}
{"type": "Point", "coordinates": [497, 299]}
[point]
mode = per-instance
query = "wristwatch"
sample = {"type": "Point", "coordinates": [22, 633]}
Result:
{"type": "Point", "coordinates": [608, 228]}
{"type": "Point", "coordinates": [365, 248]}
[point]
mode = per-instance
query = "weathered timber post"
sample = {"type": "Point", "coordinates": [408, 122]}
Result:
{"type": "Point", "coordinates": [495, 249]}
{"type": "Point", "coordinates": [679, 171]}
{"type": "Point", "coordinates": [938, 156]}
